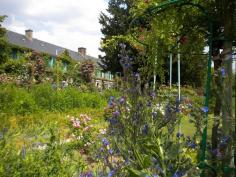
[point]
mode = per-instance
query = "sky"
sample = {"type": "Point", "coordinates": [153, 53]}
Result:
{"type": "Point", "coordinates": [67, 23]}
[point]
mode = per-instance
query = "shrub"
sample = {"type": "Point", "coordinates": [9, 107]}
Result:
{"type": "Point", "coordinates": [42, 97]}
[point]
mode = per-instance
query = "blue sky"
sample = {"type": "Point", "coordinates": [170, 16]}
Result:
{"type": "Point", "coordinates": [68, 23]}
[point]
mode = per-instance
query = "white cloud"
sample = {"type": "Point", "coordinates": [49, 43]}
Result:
{"type": "Point", "coordinates": [68, 23]}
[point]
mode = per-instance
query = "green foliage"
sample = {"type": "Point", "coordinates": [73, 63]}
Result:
{"type": "Point", "coordinates": [15, 67]}
{"type": "Point", "coordinates": [16, 100]}
{"type": "Point", "coordinates": [144, 133]}
{"type": "Point", "coordinates": [87, 68]}
{"type": "Point", "coordinates": [36, 67]}
{"type": "Point", "coordinates": [56, 159]}
{"type": "Point", "coordinates": [4, 48]}
{"type": "Point", "coordinates": [114, 24]}
{"type": "Point", "coordinates": [65, 57]}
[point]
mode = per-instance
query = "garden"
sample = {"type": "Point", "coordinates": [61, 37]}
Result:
{"type": "Point", "coordinates": [170, 113]}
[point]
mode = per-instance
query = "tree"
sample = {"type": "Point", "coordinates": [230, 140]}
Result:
{"type": "Point", "coordinates": [4, 48]}
{"type": "Point", "coordinates": [36, 68]}
{"type": "Point", "coordinates": [159, 36]}
{"type": "Point", "coordinates": [87, 69]}
{"type": "Point", "coordinates": [115, 23]}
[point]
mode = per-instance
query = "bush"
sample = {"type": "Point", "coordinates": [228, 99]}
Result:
{"type": "Point", "coordinates": [56, 159]}
{"type": "Point", "coordinates": [42, 97]}
{"type": "Point", "coordinates": [16, 100]}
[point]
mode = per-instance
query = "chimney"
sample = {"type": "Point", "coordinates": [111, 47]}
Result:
{"type": "Point", "coordinates": [29, 34]}
{"type": "Point", "coordinates": [82, 51]}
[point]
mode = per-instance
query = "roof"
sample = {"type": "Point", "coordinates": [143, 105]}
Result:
{"type": "Point", "coordinates": [42, 46]}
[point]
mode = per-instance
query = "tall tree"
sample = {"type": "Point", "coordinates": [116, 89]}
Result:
{"type": "Point", "coordinates": [4, 48]}
{"type": "Point", "coordinates": [114, 22]}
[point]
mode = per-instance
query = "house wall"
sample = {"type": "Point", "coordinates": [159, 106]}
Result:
{"type": "Point", "coordinates": [103, 80]}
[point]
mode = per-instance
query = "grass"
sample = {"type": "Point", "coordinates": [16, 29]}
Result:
{"type": "Point", "coordinates": [35, 126]}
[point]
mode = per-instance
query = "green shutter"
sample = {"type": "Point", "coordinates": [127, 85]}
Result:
{"type": "Point", "coordinates": [64, 66]}
{"type": "Point", "coordinates": [51, 62]}
{"type": "Point", "coordinates": [98, 74]}
{"type": "Point", "coordinates": [14, 54]}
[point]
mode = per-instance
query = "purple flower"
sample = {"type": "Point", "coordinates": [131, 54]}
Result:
{"type": "Point", "coordinates": [127, 65]}
{"type": "Point", "coordinates": [122, 100]}
{"type": "Point", "coordinates": [110, 151]}
{"type": "Point", "coordinates": [122, 45]}
{"type": "Point", "coordinates": [224, 141]}
{"type": "Point", "coordinates": [105, 142]}
{"type": "Point", "coordinates": [153, 94]}
{"type": "Point", "coordinates": [116, 114]}
{"type": "Point", "coordinates": [159, 169]}
{"type": "Point", "coordinates": [191, 145]}
{"type": "Point", "coordinates": [154, 160]}
{"type": "Point", "coordinates": [178, 174]}
{"type": "Point", "coordinates": [111, 173]}
{"type": "Point", "coordinates": [170, 166]}
{"type": "Point", "coordinates": [136, 75]}
{"type": "Point", "coordinates": [88, 174]}
{"type": "Point", "coordinates": [23, 152]}
{"type": "Point", "coordinates": [1, 135]}
{"type": "Point", "coordinates": [113, 121]}
{"type": "Point", "coordinates": [204, 109]}
{"type": "Point", "coordinates": [145, 129]}
{"type": "Point", "coordinates": [223, 72]}
{"type": "Point", "coordinates": [112, 98]}
{"type": "Point", "coordinates": [149, 103]}
{"type": "Point", "coordinates": [110, 104]}
{"type": "Point", "coordinates": [178, 135]}
{"type": "Point", "coordinates": [127, 162]}
{"type": "Point", "coordinates": [154, 114]}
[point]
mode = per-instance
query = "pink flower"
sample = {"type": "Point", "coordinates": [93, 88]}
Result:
{"type": "Point", "coordinates": [76, 124]}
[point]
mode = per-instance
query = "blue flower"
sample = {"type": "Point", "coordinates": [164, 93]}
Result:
{"type": "Point", "coordinates": [111, 173]}
{"type": "Point", "coordinates": [204, 109]}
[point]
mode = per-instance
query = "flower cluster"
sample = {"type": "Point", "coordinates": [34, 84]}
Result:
{"type": "Point", "coordinates": [81, 122]}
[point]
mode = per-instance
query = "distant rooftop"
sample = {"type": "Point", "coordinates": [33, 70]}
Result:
{"type": "Point", "coordinates": [28, 41]}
